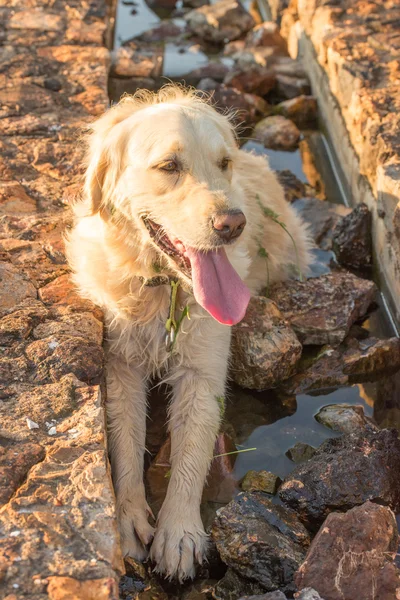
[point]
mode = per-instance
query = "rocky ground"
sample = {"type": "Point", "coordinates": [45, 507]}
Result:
{"type": "Point", "coordinates": [321, 532]}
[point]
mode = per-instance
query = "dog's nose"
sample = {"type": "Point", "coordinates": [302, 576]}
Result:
{"type": "Point", "coordinates": [229, 225]}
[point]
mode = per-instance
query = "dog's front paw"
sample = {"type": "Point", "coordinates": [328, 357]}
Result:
{"type": "Point", "coordinates": [136, 532]}
{"type": "Point", "coordinates": [178, 544]}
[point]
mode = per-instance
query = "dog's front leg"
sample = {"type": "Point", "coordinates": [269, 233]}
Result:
{"type": "Point", "coordinates": [194, 422]}
{"type": "Point", "coordinates": [126, 421]}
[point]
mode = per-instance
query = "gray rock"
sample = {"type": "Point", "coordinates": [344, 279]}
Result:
{"type": "Point", "coordinates": [277, 133]}
{"type": "Point", "coordinates": [261, 541]}
{"type": "Point", "coordinates": [351, 556]}
{"type": "Point", "coordinates": [352, 238]}
{"type": "Point", "coordinates": [264, 350]}
{"type": "Point", "coordinates": [321, 217]}
{"type": "Point", "coordinates": [270, 596]}
{"type": "Point", "coordinates": [345, 418]}
{"type": "Point", "coordinates": [232, 586]}
{"type": "Point", "coordinates": [300, 452]}
{"type": "Point", "coordinates": [345, 472]}
{"type": "Point", "coordinates": [221, 22]}
{"type": "Point", "coordinates": [321, 310]}
{"type": "Point", "coordinates": [354, 361]}
{"type": "Point", "coordinates": [291, 87]}
{"type": "Point", "coordinates": [308, 594]}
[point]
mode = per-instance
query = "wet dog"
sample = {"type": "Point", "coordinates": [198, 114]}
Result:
{"type": "Point", "coordinates": [176, 228]}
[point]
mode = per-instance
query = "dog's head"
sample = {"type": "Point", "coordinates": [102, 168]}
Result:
{"type": "Point", "coordinates": [166, 162]}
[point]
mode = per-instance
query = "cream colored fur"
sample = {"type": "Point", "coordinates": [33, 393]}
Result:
{"type": "Point", "coordinates": [109, 249]}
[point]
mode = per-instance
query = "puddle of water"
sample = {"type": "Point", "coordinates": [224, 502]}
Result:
{"type": "Point", "coordinates": [273, 440]}
{"type": "Point", "coordinates": [279, 160]}
{"type": "Point", "coordinates": [180, 60]}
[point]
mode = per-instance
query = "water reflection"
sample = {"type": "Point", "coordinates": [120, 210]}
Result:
{"type": "Point", "coordinates": [272, 440]}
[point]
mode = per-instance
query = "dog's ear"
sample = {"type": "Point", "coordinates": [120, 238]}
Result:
{"type": "Point", "coordinates": [104, 157]}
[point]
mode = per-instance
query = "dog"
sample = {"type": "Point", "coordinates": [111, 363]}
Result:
{"type": "Point", "coordinates": [176, 228]}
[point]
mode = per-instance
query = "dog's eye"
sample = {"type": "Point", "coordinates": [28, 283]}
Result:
{"type": "Point", "coordinates": [170, 166]}
{"type": "Point", "coordinates": [225, 163]}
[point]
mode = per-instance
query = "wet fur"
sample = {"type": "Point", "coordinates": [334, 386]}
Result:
{"type": "Point", "coordinates": [109, 249]}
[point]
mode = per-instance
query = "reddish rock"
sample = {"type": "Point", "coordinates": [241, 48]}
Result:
{"type": "Point", "coordinates": [277, 133]}
{"type": "Point", "coordinates": [292, 186]}
{"type": "Point", "coordinates": [264, 349]}
{"type": "Point", "coordinates": [266, 34]}
{"type": "Point", "coordinates": [137, 62]}
{"type": "Point", "coordinates": [67, 588]}
{"type": "Point", "coordinates": [351, 556]}
{"type": "Point", "coordinates": [356, 361]}
{"type": "Point", "coordinates": [321, 310]}
{"type": "Point", "coordinates": [221, 22]}
{"type": "Point", "coordinates": [14, 287]}
{"type": "Point", "coordinates": [16, 459]}
{"type": "Point", "coordinates": [343, 473]}
{"type": "Point", "coordinates": [256, 80]}
{"type": "Point", "coordinates": [261, 541]}
{"type": "Point", "coordinates": [250, 108]}
{"type": "Point", "coordinates": [302, 110]}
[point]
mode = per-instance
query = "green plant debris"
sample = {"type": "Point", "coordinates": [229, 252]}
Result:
{"type": "Point", "coordinates": [221, 403]}
{"type": "Point", "coordinates": [235, 452]}
{"type": "Point", "coordinates": [156, 267]}
{"type": "Point", "coordinates": [264, 254]}
{"type": "Point", "coordinates": [268, 212]}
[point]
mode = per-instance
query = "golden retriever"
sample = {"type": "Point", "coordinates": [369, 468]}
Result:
{"type": "Point", "coordinates": [169, 197]}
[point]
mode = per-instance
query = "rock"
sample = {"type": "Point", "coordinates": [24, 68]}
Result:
{"type": "Point", "coordinates": [351, 556]}
{"type": "Point", "coordinates": [291, 87]}
{"type": "Point", "coordinates": [352, 238]}
{"type": "Point", "coordinates": [277, 133]}
{"type": "Point", "coordinates": [322, 217]}
{"type": "Point", "coordinates": [264, 350]}
{"type": "Point", "coordinates": [14, 287]}
{"type": "Point", "coordinates": [345, 472]}
{"type": "Point", "coordinates": [300, 452]}
{"type": "Point", "coordinates": [232, 586]}
{"type": "Point", "coordinates": [321, 310]}
{"type": "Point", "coordinates": [66, 588]}
{"type": "Point", "coordinates": [16, 459]}
{"type": "Point", "coordinates": [137, 62]}
{"type": "Point", "coordinates": [221, 483]}
{"type": "Point", "coordinates": [250, 108]}
{"type": "Point", "coordinates": [214, 70]}
{"type": "Point", "coordinates": [292, 186]}
{"type": "Point", "coordinates": [255, 80]}
{"type": "Point", "coordinates": [270, 596]}
{"type": "Point", "coordinates": [345, 418]}
{"type": "Point", "coordinates": [261, 541]}
{"type": "Point", "coordinates": [266, 34]}
{"type": "Point", "coordinates": [207, 84]}
{"type": "Point", "coordinates": [302, 110]}
{"type": "Point", "coordinates": [221, 22]}
{"type": "Point", "coordinates": [262, 481]}
{"type": "Point", "coordinates": [308, 594]}
{"type": "Point", "coordinates": [355, 361]}
{"type": "Point", "coordinates": [165, 31]}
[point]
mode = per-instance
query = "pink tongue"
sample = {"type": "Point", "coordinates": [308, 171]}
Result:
{"type": "Point", "coordinates": [217, 287]}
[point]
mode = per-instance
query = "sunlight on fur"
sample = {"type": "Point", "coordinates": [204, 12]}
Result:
{"type": "Point", "coordinates": [169, 195]}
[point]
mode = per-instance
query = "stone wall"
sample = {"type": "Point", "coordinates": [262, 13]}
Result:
{"type": "Point", "coordinates": [351, 51]}
{"type": "Point", "coordinates": [58, 536]}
